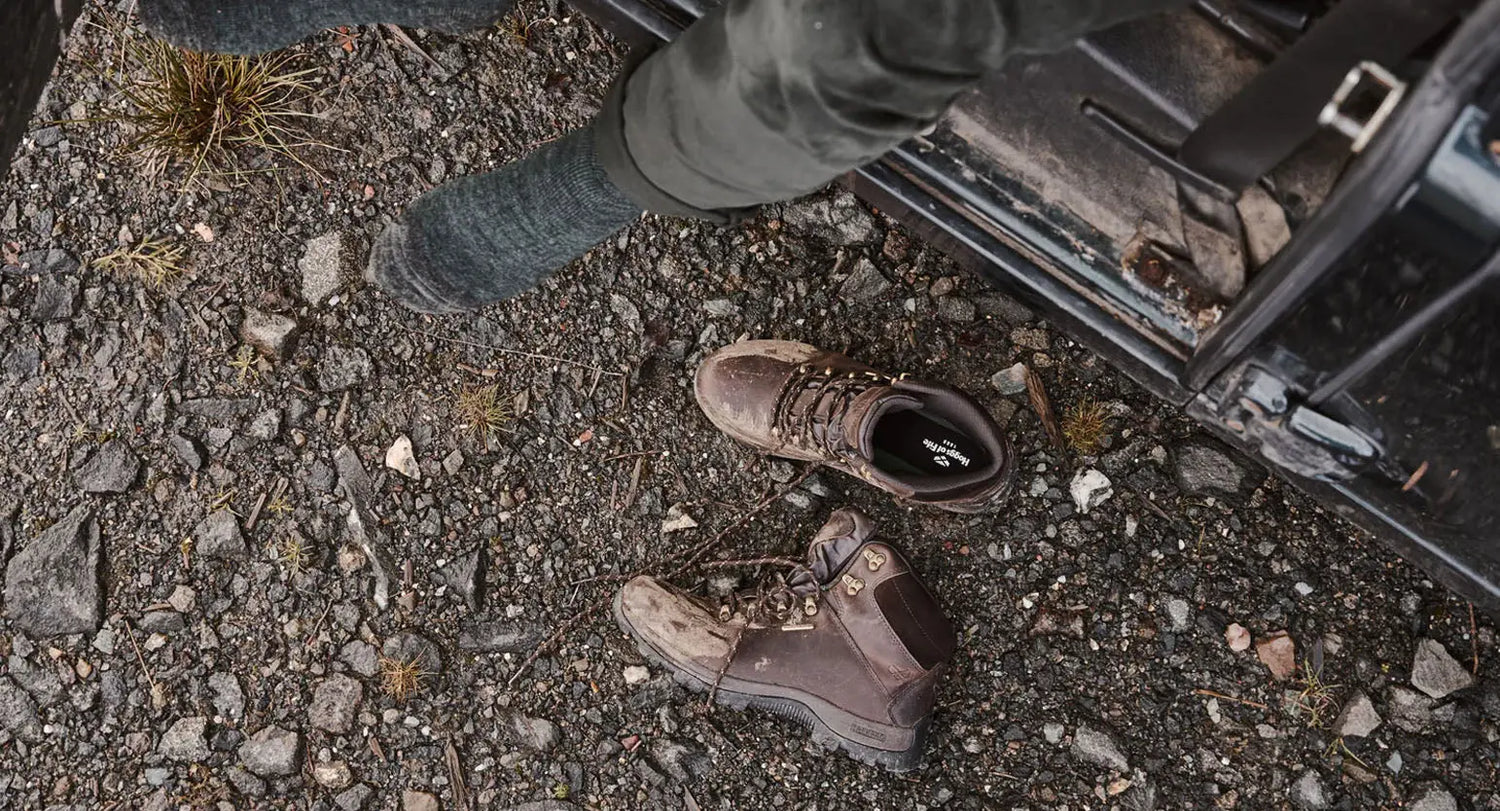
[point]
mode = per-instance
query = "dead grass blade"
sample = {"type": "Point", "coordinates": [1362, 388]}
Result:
{"type": "Point", "coordinates": [1037, 394]}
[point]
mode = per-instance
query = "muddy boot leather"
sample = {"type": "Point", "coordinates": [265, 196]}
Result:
{"type": "Point", "coordinates": [922, 441]}
{"type": "Point", "coordinates": [852, 645]}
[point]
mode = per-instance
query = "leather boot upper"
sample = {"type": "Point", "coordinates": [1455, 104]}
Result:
{"type": "Point", "coordinates": [797, 401]}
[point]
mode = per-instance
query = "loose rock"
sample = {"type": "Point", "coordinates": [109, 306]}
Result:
{"type": "Point", "coordinates": [334, 704]}
{"type": "Point", "coordinates": [1358, 718]}
{"type": "Point", "coordinates": [1100, 749]}
{"type": "Point", "coordinates": [497, 637]}
{"type": "Point", "coordinates": [677, 520]}
{"type": "Point", "coordinates": [1409, 710]}
{"type": "Point", "coordinates": [1237, 637]}
{"type": "Point", "coordinates": [465, 575]}
{"type": "Point", "coordinates": [402, 459]}
{"type": "Point", "coordinates": [840, 220]}
{"type": "Point", "coordinates": [320, 265]}
{"type": "Point", "coordinates": [1089, 489]}
{"type": "Point", "coordinates": [1010, 381]}
{"type": "Point", "coordinates": [272, 752]}
{"type": "Point", "coordinates": [1435, 672]}
{"type": "Point", "coordinates": [1279, 654]}
{"type": "Point", "coordinates": [343, 368]}
{"type": "Point", "coordinates": [865, 282]}
{"type": "Point", "coordinates": [185, 740]}
{"type": "Point", "coordinates": [52, 584]}
{"type": "Point", "coordinates": [218, 536]}
{"type": "Point", "coordinates": [410, 646]}
{"type": "Point", "coordinates": [228, 699]}
{"type": "Point", "coordinates": [112, 469]}
{"type": "Point", "coordinates": [635, 674]}
{"type": "Point", "coordinates": [334, 774]}
{"type": "Point", "coordinates": [1434, 798]}
{"type": "Point", "coordinates": [418, 801]}
{"type": "Point", "coordinates": [272, 334]}
{"type": "Point", "coordinates": [1202, 469]}
{"type": "Point", "coordinates": [361, 657]}
{"type": "Point", "coordinates": [18, 712]}
{"type": "Point", "coordinates": [536, 733]}
{"type": "Point", "coordinates": [56, 299]}
{"type": "Point", "coordinates": [1309, 792]}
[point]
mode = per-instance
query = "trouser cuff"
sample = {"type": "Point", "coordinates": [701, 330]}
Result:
{"type": "Point", "coordinates": [624, 172]}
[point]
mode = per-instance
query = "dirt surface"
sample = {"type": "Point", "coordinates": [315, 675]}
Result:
{"type": "Point", "coordinates": [246, 673]}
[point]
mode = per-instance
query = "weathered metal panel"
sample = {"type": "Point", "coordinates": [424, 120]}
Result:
{"type": "Point", "coordinates": [30, 32]}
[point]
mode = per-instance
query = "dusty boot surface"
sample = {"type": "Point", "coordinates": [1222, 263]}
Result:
{"type": "Point", "coordinates": [922, 441]}
{"type": "Point", "coordinates": [851, 645]}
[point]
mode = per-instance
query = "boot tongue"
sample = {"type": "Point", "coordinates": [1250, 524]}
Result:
{"type": "Point", "coordinates": [867, 409]}
{"type": "Point", "coordinates": [844, 533]}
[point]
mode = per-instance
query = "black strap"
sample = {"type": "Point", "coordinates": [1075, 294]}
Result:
{"type": "Point", "coordinates": [1278, 111]}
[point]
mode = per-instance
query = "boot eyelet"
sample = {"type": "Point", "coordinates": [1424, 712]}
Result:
{"type": "Point", "coordinates": [852, 585]}
{"type": "Point", "coordinates": [874, 559]}
{"type": "Point", "coordinates": [810, 607]}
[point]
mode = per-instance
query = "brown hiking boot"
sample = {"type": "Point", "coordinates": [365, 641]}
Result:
{"type": "Point", "coordinates": [851, 644]}
{"type": "Point", "coordinates": [921, 441]}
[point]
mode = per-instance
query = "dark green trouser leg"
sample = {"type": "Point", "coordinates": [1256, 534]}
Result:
{"type": "Point", "coordinates": [765, 100]}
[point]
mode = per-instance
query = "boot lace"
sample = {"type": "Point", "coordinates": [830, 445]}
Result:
{"type": "Point", "coordinates": [788, 598]}
{"type": "Point", "coordinates": [834, 394]}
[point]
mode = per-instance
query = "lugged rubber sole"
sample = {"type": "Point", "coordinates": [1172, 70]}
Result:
{"type": "Point", "coordinates": [802, 709]}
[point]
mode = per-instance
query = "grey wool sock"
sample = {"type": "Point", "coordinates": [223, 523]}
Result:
{"type": "Point", "coordinates": [484, 238]}
{"type": "Point", "coordinates": [257, 26]}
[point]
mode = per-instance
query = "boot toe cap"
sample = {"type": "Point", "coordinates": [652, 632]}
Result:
{"type": "Point", "coordinates": [737, 386]}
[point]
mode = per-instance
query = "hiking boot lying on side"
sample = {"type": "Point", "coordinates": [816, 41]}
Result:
{"type": "Point", "coordinates": [922, 441]}
{"type": "Point", "coordinates": [851, 644]}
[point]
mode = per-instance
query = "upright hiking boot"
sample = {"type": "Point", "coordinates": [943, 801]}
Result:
{"type": "Point", "coordinates": [925, 442]}
{"type": "Point", "coordinates": [851, 644]}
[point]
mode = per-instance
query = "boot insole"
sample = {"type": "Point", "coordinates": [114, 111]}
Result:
{"type": "Point", "coordinates": [908, 442]}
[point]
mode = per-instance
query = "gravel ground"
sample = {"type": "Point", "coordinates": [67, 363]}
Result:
{"type": "Point", "coordinates": [192, 618]}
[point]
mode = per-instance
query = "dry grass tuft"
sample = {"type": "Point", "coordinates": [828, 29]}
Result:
{"type": "Point", "coordinates": [293, 552]}
{"type": "Point", "coordinates": [1316, 698]}
{"type": "Point", "coordinates": [483, 411]}
{"type": "Point", "coordinates": [214, 110]}
{"type": "Point", "coordinates": [401, 679]}
{"type": "Point", "coordinates": [156, 262]}
{"type": "Point", "coordinates": [1086, 425]}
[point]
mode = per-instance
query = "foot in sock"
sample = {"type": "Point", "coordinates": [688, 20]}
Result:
{"type": "Point", "coordinates": [484, 238]}
{"type": "Point", "coordinates": [257, 26]}
{"type": "Point", "coordinates": [923, 441]}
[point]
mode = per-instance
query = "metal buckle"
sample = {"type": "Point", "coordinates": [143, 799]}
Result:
{"type": "Point", "coordinates": [1358, 84]}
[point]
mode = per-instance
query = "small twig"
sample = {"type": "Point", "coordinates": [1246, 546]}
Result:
{"type": "Point", "coordinates": [319, 625]}
{"type": "Point", "coordinates": [635, 483]}
{"type": "Point", "coordinates": [405, 39]}
{"type": "Point", "coordinates": [151, 680]}
{"type": "Point", "coordinates": [692, 553]}
{"type": "Point", "coordinates": [702, 549]}
{"type": "Point", "coordinates": [504, 351]}
{"type": "Point", "coordinates": [1473, 640]}
{"type": "Point", "coordinates": [1256, 704]}
{"type": "Point", "coordinates": [343, 413]}
{"type": "Point", "coordinates": [567, 625]}
{"type": "Point", "coordinates": [629, 455]}
{"type": "Point", "coordinates": [1416, 476]}
{"type": "Point", "coordinates": [456, 776]}
{"type": "Point", "coordinates": [765, 561]}
{"type": "Point", "coordinates": [1043, 407]}
{"type": "Point", "coordinates": [255, 512]}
